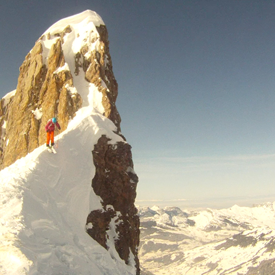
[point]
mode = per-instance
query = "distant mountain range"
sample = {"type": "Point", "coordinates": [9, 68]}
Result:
{"type": "Point", "coordinates": [237, 240]}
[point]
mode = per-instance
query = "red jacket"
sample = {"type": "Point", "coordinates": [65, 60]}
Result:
{"type": "Point", "coordinates": [51, 126]}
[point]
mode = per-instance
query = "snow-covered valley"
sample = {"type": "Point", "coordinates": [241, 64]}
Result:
{"type": "Point", "coordinates": [237, 240]}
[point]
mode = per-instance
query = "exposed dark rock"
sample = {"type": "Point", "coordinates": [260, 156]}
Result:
{"type": "Point", "coordinates": [199, 259]}
{"type": "Point", "coordinates": [238, 240]}
{"type": "Point", "coordinates": [190, 222]}
{"type": "Point", "coordinates": [270, 247]}
{"type": "Point", "coordinates": [115, 182]}
{"type": "Point", "coordinates": [265, 268]}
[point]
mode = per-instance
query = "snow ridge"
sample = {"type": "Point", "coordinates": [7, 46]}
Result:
{"type": "Point", "coordinates": [45, 198]}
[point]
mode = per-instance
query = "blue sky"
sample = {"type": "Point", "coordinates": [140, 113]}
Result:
{"type": "Point", "coordinates": [196, 90]}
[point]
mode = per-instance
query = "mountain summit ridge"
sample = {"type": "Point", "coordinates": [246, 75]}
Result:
{"type": "Point", "coordinates": [50, 204]}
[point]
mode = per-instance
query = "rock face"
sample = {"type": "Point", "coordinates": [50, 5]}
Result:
{"type": "Point", "coordinates": [42, 93]}
{"type": "Point", "coordinates": [51, 82]}
{"type": "Point", "coordinates": [48, 89]}
{"type": "Point", "coordinates": [115, 182]}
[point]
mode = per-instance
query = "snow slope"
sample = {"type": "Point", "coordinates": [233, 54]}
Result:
{"type": "Point", "coordinates": [45, 198]}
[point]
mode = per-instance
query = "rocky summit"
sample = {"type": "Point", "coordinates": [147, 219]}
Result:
{"type": "Point", "coordinates": [48, 86]}
{"type": "Point", "coordinates": [69, 75]}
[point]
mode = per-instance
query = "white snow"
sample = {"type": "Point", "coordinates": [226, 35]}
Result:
{"type": "Point", "coordinates": [83, 33]}
{"type": "Point", "coordinates": [72, 90]}
{"type": "Point", "coordinates": [226, 241]}
{"type": "Point", "coordinates": [83, 18]}
{"type": "Point", "coordinates": [64, 68]}
{"type": "Point", "coordinates": [8, 97]}
{"type": "Point", "coordinates": [37, 113]}
{"type": "Point", "coordinates": [45, 198]}
{"type": "Point", "coordinates": [155, 208]}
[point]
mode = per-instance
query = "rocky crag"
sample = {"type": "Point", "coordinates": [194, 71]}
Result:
{"type": "Point", "coordinates": [71, 57]}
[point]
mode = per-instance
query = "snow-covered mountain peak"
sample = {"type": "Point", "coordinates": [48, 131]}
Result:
{"type": "Point", "coordinates": [72, 212]}
{"type": "Point", "coordinates": [155, 208]}
{"type": "Point", "coordinates": [76, 21]}
{"type": "Point", "coordinates": [79, 36]}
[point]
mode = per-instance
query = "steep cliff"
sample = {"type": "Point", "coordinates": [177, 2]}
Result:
{"type": "Point", "coordinates": [68, 74]}
{"type": "Point", "coordinates": [51, 82]}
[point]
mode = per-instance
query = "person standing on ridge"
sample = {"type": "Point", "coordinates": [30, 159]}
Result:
{"type": "Point", "coordinates": [50, 127]}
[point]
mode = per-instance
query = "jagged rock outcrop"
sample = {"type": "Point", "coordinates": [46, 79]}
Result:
{"type": "Point", "coordinates": [50, 83]}
{"type": "Point", "coordinates": [100, 68]}
{"type": "Point", "coordinates": [42, 92]}
{"type": "Point", "coordinates": [45, 89]}
{"type": "Point", "coordinates": [5, 102]}
{"type": "Point", "coordinates": [115, 182]}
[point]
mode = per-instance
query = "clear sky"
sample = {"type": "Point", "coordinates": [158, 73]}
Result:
{"type": "Point", "coordinates": [196, 90]}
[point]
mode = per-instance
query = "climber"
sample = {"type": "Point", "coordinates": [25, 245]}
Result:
{"type": "Point", "coordinates": [50, 127]}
